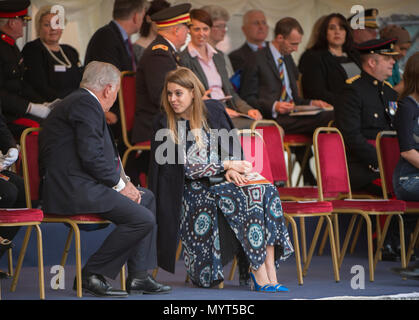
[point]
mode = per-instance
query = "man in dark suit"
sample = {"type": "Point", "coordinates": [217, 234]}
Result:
{"type": "Point", "coordinates": [82, 173]}
{"type": "Point", "coordinates": [255, 28]}
{"type": "Point", "coordinates": [159, 58]}
{"type": "Point", "coordinates": [112, 44]}
{"type": "Point", "coordinates": [269, 82]}
{"type": "Point", "coordinates": [22, 105]}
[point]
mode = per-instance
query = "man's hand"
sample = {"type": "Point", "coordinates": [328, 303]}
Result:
{"type": "Point", "coordinates": [284, 107]}
{"type": "Point", "coordinates": [206, 95]}
{"type": "Point", "coordinates": [131, 192]}
{"type": "Point", "coordinates": [255, 114]}
{"type": "Point", "coordinates": [111, 118]}
{"type": "Point", "coordinates": [321, 104]}
{"type": "Point", "coordinates": [232, 113]}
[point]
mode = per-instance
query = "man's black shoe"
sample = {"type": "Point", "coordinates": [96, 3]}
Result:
{"type": "Point", "coordinates": [389, 254]}
{"type": "Point", "coordinates": [147, 286]}
{"type": "Point", "coordinates": [97, 285]}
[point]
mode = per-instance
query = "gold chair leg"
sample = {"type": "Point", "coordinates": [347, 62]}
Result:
{"type": "Point", "coordinates": [412, 243]}
{"type": "Point", "coordinates": [20, 259]}
{"type": "Point", "coordinates": [370, 246]}
{"type": "Point", "coordinates": [402, 242]}
{"type": "Point", "coordinates": [155, 273]}
{"type": "Point", "coordinates": [221, 285]}
{"type": "Point", "coordinates": [323, 242]}
{"type": "Point", "coordinates": [313, 245]}
{"type": "Point", "coordinates": [179, 250]}
{"type": "Point", "coordinates": [296, 249]}
{"type": "Point", "coordinates": [346, 241]}
{"type": "Point", "coordinates": [122, 278]}
{"type": "Point", "coordinates": [67, 247]}
{"type": "Point", "coordinates": [233, 269]}
{"type": "Point", "coordinates": [304, 164]}
{"type": "Point", "coordinates": [40, 263]}
{"type": "Point", "coordinates": [10, 259]}
{"type": "Point", "coordinates": [336, 235]}
{"type": "Point", "coordinates": [333, 250]}
{"type": "Point", "coordinates": [356, 235]}
{"type": "Point", "coordinates": [78, 259]}
{"type": "Point", "coordinates": [303, 238]}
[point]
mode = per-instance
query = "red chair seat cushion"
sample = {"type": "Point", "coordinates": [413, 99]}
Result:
{"type": "Point", "coordinates": [306, 207]}
{"type": "Point", "coordinates": [410, 205]}
{"type": "Point", "coordinates": [370, 205]}
{"type": "Point", "coordinates": [299, 192]}
{"type": "Point", "coordinates": [77, 217]}
{"type": "Point", "coordinates": [21, 215]}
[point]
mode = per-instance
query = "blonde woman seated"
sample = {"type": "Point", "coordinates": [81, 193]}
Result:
{"type": "Point", "coordinates": [209, 66]}
{"type": "Point", "coordinates": [195, 174]}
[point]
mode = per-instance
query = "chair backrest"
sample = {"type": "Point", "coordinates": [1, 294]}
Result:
{"type": "Point", "coordinates": [30, 163]}
{"type": "Point", "coordinates": [388, 154]}
{"type": "Point", "coordinates": [331, 165]}
{"type": "Point", "coordinates": [127, 102]}
{"type": "Point", "coordinates": [271, 133]}
{"type": "Point", "coordinates": [254, 150]}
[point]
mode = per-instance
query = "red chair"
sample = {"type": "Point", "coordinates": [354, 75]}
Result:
{"type": "Point", "coordinates": [388, 157]}
{"type": "Point", "coordinates": [127, 102]}
{"type": "Point", "coordinates": [30, 152]}
{"type": "Point", "coordinates": [30, 218]}
{"type": "Point", "coordinates": [271, 133]}
{"type": "Point", "coordinates": [255, 149]}
{"type": "Point", "coordinates": [333, 177]}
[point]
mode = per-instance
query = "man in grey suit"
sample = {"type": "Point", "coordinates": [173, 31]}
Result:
{"type": "Point", "coordinates": [82, 174]}
{"type": "Point", "coordinates": [269, 82]}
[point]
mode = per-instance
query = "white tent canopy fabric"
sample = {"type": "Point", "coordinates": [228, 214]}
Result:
{"type": "Point", "coordinates": [86, 16]}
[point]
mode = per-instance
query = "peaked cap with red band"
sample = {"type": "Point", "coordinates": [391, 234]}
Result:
{"type": "Point", "coordinates": [172, 16]}
{"type": "Point", "coordinates": [14, 9]}
{"type": "Point", "coordinates": [379, 46]}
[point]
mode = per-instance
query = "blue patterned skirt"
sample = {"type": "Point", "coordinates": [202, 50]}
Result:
{"type": "Point", "coordinates": [254, 213]}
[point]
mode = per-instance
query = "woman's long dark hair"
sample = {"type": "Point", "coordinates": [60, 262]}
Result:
{"type": "Point", "coordinates": [322, 43]}
{"type": "Point", "coordinates": [411, 76]}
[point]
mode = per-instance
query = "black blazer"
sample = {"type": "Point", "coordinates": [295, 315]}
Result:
{"type": "Point", "coordinates": [261, 85]}
{"type": "Point", "coordinates": [78, 157]}
{"type": "Point", "coordinates": [167, 182]}
{"type": "Point", "coordinates": [157, 60]}
{"type": "Point", "coordinates": [323, 77]}
{"type": "Point", "coordinates": [107, 45]}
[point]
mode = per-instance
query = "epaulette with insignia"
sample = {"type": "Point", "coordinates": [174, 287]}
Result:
{"type": "Point", "coordinates": [388, 83]}
{"type": "Point", "coordinates": [350, 80]}
{"type": "Point", "coordinates": [160, 46]}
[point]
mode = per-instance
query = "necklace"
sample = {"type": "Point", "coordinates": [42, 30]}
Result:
{"type": "Point", "coordinates": [67, 62]}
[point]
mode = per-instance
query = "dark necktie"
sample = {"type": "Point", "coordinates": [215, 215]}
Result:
{"type": "Point", "coordinates": [131, 53]}
{"type": "Point", "coordinates": [284, 95]}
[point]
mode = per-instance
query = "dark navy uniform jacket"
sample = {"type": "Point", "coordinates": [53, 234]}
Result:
{"type": "Point", "coordinates": [364, 112]}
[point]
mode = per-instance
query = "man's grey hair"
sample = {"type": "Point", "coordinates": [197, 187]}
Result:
{"type": "Point", "coordinates": [97, 75]}
{"type": "Point", "coordinates": [216, 12]}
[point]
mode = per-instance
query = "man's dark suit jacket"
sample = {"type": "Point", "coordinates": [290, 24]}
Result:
{"type": "Point", "coordinates": [79, 160]}
{"type": "Point", "coordinates": [157, 60]}
{"type": "Point", "coordinates": [107, 45]}
{"type": "Point", "coordinates": [240, 56]}
{"type": "Point", "coordinates": [261, 85]}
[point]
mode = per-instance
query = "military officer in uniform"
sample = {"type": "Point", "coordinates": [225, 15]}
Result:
{"type": "Point", "coordinates": [22, 106]}
{"type": "Point", "coordinates": [368, 107]}
{"type": "Point", "coordinates": [159, 58]}
{"type": "Point", "coordinates": [367, 29]}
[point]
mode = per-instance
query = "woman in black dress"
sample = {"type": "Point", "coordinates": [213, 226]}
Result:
{"type": "Point", "coordinates": [53, 69]}
{"type": "Point", "coordinates": [330, 62]}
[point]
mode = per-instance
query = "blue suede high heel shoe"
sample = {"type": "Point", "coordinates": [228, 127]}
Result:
{"type": "Point", "coordinates": [254, 286]}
